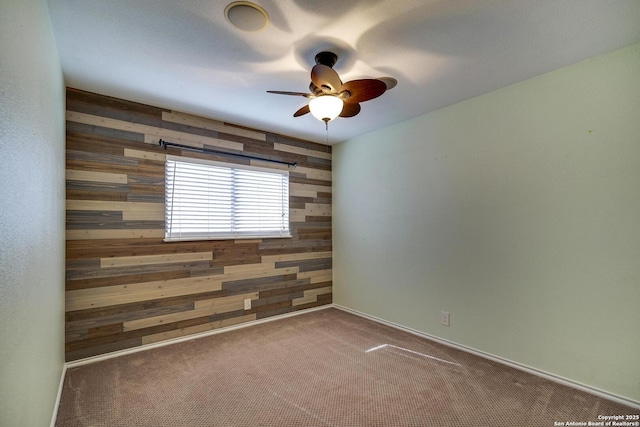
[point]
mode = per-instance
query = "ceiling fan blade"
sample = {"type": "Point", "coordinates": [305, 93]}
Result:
{"type": "Point", "coordinates": [280, 92]}
{"type": "Point", "coordinates": [363, 90]}
{"type": "Point", "coordinates": [326, 78]}
{"type": "Point", "coordinates": [304, 110]}
{"type": "Point", "coordinates": [350, 110]}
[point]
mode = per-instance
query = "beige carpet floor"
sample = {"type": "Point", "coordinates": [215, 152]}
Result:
{"type": "Point", "coordinates": [322, 368]}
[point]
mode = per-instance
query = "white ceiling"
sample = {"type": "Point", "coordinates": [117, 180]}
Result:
{"type": "Point", "coordinates": [183, 55]}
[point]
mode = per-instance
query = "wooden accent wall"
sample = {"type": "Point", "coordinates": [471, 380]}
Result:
{"type": "Point", "coordinates": [125, 287]}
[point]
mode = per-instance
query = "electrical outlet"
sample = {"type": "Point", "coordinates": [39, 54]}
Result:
{"type": "Point", "coordinates": [444, 318]}
{"type": "Point", "coordinates": [247, 304]}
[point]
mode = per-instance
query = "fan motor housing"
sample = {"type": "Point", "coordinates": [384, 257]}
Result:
{"type": "Point", "coordinates": [326, 58]}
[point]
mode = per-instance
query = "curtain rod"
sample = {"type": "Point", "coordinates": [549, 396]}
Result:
{"type": "Point", "coordinates": [166, 144]}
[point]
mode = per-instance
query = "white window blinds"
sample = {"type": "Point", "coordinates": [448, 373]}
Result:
{"type": "Point", "coordinates": [213, 200]}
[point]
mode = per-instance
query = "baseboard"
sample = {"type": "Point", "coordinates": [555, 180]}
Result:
{"type": "Point", "coordinates": [54, 417]}
{"type": "Point", "coordinates": [146, 347]}
{"type": "Point", "coordinates": [552, 377]}
{"type": "Point", "coordinates": [540, 373]}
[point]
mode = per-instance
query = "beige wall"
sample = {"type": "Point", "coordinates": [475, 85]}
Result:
{"type": "Point", "coordinates": [518, 212]}
{"type": "Point", "coordinates": [32, 216]}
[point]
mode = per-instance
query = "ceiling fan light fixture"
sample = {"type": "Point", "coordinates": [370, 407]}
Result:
{"type": "Point", "coordinates": [246, 16]}
{"type": "Point", "coordinates": [330, 97]}
{"type": "Point", "coordinates": [326, 107]}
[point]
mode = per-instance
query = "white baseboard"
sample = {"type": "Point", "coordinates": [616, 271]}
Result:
{"type": "Point", "coordinates": [549, 376]}
{"type": "Point", "coordinates": [558, 379]}
{"type": "Point", "coordinates": [54, 417]}
{"type": "Point", "coordinates": [145, 347]}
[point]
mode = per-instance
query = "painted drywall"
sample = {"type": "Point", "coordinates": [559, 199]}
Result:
{"type": "Point", "coordinates": [518, 212]}
{"type": "Point", "coordinates": [32, 215]}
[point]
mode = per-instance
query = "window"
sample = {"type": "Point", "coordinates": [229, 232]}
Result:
{"type": "Point", "coordinates": [213, 200]}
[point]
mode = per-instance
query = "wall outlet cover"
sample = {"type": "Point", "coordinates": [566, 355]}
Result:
{"type": "Point", "coordinates": [444, 318]}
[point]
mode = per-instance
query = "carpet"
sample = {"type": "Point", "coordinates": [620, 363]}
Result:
{"type": "Point", "coordinates": [322, 368]}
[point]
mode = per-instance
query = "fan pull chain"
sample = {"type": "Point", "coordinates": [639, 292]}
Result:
{"type": "Point", "coordinates": [326, 123]}
{"type": "Point", "coordinates": [326, 126]}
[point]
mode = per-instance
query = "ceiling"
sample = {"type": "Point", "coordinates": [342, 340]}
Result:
{"type": "Point", "coordinates": [184, 55]}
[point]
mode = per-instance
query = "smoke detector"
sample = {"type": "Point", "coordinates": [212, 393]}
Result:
{"type": "Point", "coordinates": [246, 16]}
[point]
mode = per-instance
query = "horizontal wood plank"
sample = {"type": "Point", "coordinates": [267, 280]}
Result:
{"type": "Point", "coordinates": [203, 123]}
{"type": "Point", "coordinates": [295, 257]}
{"type": "Point", "coordinates": [113, 295]}
{"type": "Point", "coordinates": [75, 175]}
{"type": "Point", "coordinates": [197, 329]}
{"type": "Point", "coordinates": [154, 259]}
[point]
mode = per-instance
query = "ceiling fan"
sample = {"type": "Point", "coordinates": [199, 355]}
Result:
{"type": "Point", "coordinates": [330, 98]}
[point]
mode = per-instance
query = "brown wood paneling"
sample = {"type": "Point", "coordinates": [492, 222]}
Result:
{"type": "Point", "coordinates": [126, 286]}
